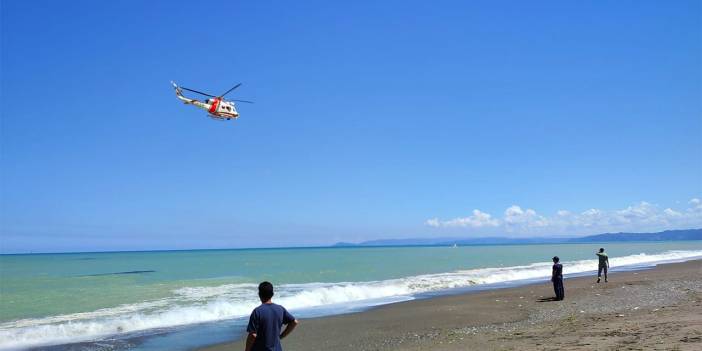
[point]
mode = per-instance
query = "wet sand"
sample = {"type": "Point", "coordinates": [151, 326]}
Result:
{"type": "Point", "coordinates": [656, 309]}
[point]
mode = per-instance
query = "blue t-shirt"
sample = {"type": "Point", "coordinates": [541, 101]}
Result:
{"type": "Point", "coordinates": [557, 271]}
{"type": "Point", "coordinates": [266, 321]}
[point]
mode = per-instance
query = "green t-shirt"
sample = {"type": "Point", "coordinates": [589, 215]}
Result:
{"type": "Point", "coordinates": [603, 258]}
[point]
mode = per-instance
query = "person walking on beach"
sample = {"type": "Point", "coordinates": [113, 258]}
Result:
{"type": "Point", "coordinates": [557, 278]}
{"type": "Point", "coordinates": [603, 264]}
{"type": "Point", "coordinates": [266, 321]}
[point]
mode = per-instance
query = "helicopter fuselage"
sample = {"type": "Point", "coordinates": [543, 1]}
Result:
{"type": "Point", "coordinates": [222, 109]}
{"type": "Point", "coordinates": [217, 108]}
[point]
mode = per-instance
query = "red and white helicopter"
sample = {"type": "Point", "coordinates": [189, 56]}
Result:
{"type": "Point", "coordinates": [217, 107]}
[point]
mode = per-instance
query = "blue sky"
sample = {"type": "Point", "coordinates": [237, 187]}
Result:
{"type": "Point", "coordinates": [391, 120]}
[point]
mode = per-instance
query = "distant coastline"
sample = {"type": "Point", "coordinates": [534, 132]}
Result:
{"type": "Point", "coordinates": [667, 235]}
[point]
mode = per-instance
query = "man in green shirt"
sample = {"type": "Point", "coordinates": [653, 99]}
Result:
{"type": "Point", "coordinates": [603, 265]}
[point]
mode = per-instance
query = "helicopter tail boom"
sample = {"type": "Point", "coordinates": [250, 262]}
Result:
{"type": "Point", "coordinates": [185, 100]}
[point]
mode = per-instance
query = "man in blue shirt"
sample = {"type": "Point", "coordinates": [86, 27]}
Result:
{"type": "Point", "coordinates": [266, 321]}
{"type": "Point", "coordinates": [557, 279]}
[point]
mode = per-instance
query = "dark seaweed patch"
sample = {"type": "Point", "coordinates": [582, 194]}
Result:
{"type": "Point", "coordinates": [118, 273]}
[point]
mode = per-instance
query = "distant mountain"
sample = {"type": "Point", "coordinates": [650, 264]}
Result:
{"type": "Point", "coordinates": [668, 235]}
{"type": "Point", "coordinates": [451, 241]}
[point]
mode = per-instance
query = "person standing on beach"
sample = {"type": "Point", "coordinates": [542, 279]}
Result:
{"type": "Point", "coordinates": [603, 264]}
{"type": "Point", "coordinates": [266, 321]}
{"type": "Point", "coordinates": [557, 278]}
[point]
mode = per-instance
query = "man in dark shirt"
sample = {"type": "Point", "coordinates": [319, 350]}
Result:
{"type": "Point", "coordinates": [603, 264]}
{"type": "Point", "coordinates": [557, 279]}
{"type": "Point", "coordinates": [266, 321]}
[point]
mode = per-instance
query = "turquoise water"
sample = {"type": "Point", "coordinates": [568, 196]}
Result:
{"type": "Point", "coordinates": [63, 298]}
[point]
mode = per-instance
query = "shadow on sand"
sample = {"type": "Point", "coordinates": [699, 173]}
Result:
{"type": "Point", "coordinates": [547, 299]}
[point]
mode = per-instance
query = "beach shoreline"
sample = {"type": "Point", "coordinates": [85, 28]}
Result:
{"type": "Point", "coordinates": [657, 308]}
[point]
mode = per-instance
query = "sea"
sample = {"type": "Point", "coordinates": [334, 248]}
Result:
{"type": "Point", "coordinates": [183, 300]}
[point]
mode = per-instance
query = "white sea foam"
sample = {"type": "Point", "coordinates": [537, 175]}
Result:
{"type": "Point", "coordinates": [192, 305]}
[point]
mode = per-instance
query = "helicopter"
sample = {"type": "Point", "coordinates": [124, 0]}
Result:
{"type": "Point", "coordinates": [217, 107]}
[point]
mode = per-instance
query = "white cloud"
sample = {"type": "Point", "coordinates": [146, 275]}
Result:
{"type": "Point", "coordinates": [515, 218]}
{"type": "Point", "coordinates": [669, 212]}
{"type": "Point", "coordinates": [433, 222]}
{"type": "Point", "coordinates": [642, 216]}
{"type": "Point", "coordinates": [695, 205]}
{"type": "Point", "coordinates": [477, 220]}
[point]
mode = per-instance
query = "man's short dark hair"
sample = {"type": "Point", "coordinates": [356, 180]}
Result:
{"type": "Point", "coordinates": [556, 259]}
{"type": "Point", "coordinates": [265, 291]}
{"type": "Point", "coordinates": [602, 249]}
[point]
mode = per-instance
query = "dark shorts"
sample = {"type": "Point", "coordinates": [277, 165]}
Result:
{"type": "Point", "coordinates": [600, 269]}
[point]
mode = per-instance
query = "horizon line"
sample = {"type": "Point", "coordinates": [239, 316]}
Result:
{"type": "Point", "coordinates": [348, 244]}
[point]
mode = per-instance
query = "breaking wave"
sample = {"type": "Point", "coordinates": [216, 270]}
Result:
{"type": "Point", "coordinates": [193, 305]}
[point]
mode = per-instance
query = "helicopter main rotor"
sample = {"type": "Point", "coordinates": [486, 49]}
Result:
{"type": "Point", "coordinates": [197, 92]}
{"type": "Point", "coordinates": [218, 97]}
{"type": "Point", "coordinates": [228, 91]}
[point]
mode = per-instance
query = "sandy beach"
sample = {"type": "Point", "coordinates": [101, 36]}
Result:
{"type": "Point", "coordinates": [655, 309]}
